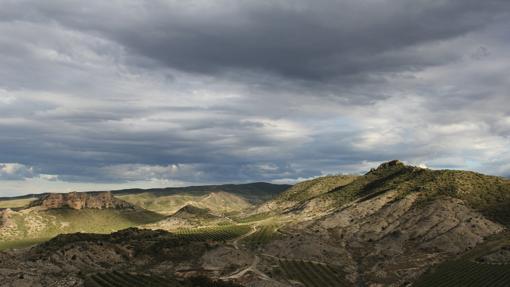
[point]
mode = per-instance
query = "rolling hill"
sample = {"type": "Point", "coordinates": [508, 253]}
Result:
{"type": "Point", "coordinates": [54, 214]}
{"type": "Point", "coordinates": [217, 198]}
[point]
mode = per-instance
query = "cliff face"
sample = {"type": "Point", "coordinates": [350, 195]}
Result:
{"type": "Point", "coordinates": [81, 200]}
{"type": "Point", "coordinates": [6, 218]}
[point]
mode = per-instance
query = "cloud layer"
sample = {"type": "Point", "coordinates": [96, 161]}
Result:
{"type": "Point", "coordinates": [102, 94]}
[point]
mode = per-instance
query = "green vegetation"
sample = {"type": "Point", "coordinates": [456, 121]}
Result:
{"type": "Point", "coordinates": [101, 220]}
{"type": "Point", "coordinates": [217, 233]}
{"type": "Point", "coordinates": [313, 274]}
{"type": "Point", "coordinates": [16, 203]}
{"type": "Point", "coordinates": [218, 198]}
{"type": "Point", "coordinates": [315, 187]}
{"type": "Point", "coordinates": [254, 217]}
{"type": "Point", "coordinates": [21, 243]}
{"type": "Point", "coordinates": [194, 213]}
{"type": "Point", "coordinates": [262, 236]}
{"type": "Point", "coordinates": [37, 226]}
{"type": "Point", "coordinates": [488, 194]}
{"type": "Point", "coordinates": [168, 204]}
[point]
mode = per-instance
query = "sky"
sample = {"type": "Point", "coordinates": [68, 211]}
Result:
{"type": "Point", "coordinates": [98, 95]}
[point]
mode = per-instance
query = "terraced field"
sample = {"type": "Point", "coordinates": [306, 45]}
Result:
{"type": "Point", "coordinates": [262, 236]}
{"type": "Point", "coordinates": [123, 279]}
{"type": "Point", "coordinates": [462, 273]}
{"type": "Point", "coordinates": [313, 274]}
{"type": "Point", "coordinates": [254, 217]}
{"type": "Point", "coordinates": [217, 233]}
{"type": "Point", "coordinates": [472, 269]}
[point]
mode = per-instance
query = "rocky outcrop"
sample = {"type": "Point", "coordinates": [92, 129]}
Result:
{"type": "Point", "coordinates": [6, 218]}
{"type": "Point", "coordinates": [80, 200]}
{"type": "Point", "coordinates": [191, 211]}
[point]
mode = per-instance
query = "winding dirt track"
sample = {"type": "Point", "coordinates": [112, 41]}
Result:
{"type": "Point", "coordinates": [253, 266]}
{"type": "Point", "coordinates": [235, 242]}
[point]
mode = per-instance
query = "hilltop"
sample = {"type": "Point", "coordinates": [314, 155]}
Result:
{"type": "Point", "coordinates": [57, 213]}
{"type": "Point", "coordinates": [487, 194]}
{"type": "Point", "coordinates": [80, 200]}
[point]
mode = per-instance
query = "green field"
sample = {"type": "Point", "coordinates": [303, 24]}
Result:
{"type": "Point", "coordinates": [37, 226]}
{"type": "Point", "coordinates": [313, 274]}
{"type": "Point", "coordinates": [254, 217]}
{"type": "Point", "coordinates": [217, 233]}
{"type": "Point", "coordinates": [15, 244]}
{"type": "Point", "coordinates": [263, 235]}
{"type": "Point", "coordinates": [16, 203]}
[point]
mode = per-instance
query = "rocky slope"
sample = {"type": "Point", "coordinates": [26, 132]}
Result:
{"type": "Point", "coordinates": [80, 200]}
{"type": "Point", "coordinates": [392, 224]}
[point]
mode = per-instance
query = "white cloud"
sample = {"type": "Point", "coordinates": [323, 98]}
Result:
{"type": "Point", "coordinates": [15, 171]}
{"type": "Point", "coordinates": [141, 172]}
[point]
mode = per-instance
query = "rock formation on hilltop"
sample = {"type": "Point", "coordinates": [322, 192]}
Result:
{"type": "Point", "coordinates": [81, 200]}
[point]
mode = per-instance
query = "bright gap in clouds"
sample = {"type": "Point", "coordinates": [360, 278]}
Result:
{"type": "Point", "coordinates": [148, 94]}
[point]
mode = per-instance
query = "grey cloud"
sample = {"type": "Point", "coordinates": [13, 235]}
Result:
{"type": "Point", "coordinates": [323, 39]}
{"type": "Point", "coordinates": [233, 91]}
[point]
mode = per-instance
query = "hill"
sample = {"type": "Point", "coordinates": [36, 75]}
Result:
{"type": "Point", "coordinates": [189, 216]}
{"type": "Point", "coordinates": [54, 214]}
{"type": "Point", "coordinates": [396, 221]}
{"type": "Point", "coordinates": [217, 198]}
{"type": "Point", "coordinates": [487, 194]}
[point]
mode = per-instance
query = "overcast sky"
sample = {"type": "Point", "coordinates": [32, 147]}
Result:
{"type": "Point", "coordinates": [111, 94]}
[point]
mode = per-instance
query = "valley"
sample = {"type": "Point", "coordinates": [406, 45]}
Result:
{"type": "Point", "coordinates": [397, 225]}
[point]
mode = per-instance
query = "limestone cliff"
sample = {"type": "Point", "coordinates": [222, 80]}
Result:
{"type": "Point", "coordinates": [80, 200]}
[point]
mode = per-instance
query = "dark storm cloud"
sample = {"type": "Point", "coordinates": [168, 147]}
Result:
{"type": "Point", "coordinates": [301, 39]}
{"type": "Point", "coordinates": [228, 91]}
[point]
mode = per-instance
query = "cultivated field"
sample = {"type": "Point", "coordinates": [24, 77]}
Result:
{"type": "Point", "coordinates": [217, 233]}
{"type": "Point", "coordinates": [313, 274]}
{"type": "Point", "coordinates": [123, 279]}
{"type": "Point", "coordinates": [263, 235]}
{"type": "Point", "coordinates": [462, 273]}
